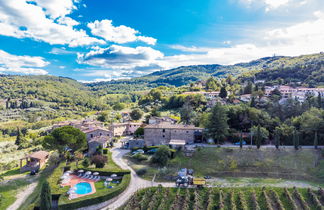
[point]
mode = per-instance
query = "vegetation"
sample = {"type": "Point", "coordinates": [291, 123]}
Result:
{"type": "Point", "coordinates": [224, 198]}
{"type": "Point", "coordinates": [46, 197]}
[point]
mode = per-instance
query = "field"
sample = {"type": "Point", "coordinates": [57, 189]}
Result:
{"type": "Point", "coordinates": [306, 164]}
{"type": "Point", "coordinates": [226, 198]}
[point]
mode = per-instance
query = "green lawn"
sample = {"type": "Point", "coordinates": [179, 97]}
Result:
{"type": "Point", "coordinates": [224, 162]}
{"type": "Point", "coordinates": [9, 192]}
{"type": "Point", "coordinates": [13, 172]}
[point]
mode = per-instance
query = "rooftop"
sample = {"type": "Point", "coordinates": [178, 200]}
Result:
{"type": "Point", "coordinates": [173, 126]}
{"type": "Point", "coordinates": [39, 155]}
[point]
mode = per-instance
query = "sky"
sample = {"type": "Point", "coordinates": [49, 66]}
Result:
{"type": "Point", "coordinates": [101, 40]}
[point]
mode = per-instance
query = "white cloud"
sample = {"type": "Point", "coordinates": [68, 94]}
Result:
{"type": "Point", "coordinates": [118, 34]}
{"type": "Point", "coordinates": [273, 4]}
{"type": "Point", "coordinates": [61, 51]}
{"type": "Point", "coordinates": [45, 21]}
{"type": "Point", "coordinates": [301, 38]}
{"type": "Point", "coordinates": [22, 64]}
{"type": "Point", "coordinates": [119, 57]}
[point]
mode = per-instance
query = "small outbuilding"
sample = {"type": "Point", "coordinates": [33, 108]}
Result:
{"type": "Point", "coordinates": [34, 161]}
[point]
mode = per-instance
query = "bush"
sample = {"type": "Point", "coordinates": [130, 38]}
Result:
{"type": "Point", "coordinates": [140, 157]}
{"type": "Point", "coordinates": [161, 157]}
{"type": "Point", "coordinates": [99, 160]}
{"type": "Point", "coordinates": [86, 163]}
{"type": "Point", "coordinates": [105, 151]}
{"type": "Point", "coordinates": [141, 171]}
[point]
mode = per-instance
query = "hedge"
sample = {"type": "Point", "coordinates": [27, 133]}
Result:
{"type": "Point", "coordinates": [104, 172]}
{"type": "Point", "coordinates": [96, 198]}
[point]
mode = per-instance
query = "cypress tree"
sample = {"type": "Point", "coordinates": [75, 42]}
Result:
{"type": "Point", "coordinates": [223, 92]}
{"type": "Point", "coordinates": [46, 197]}
{"type": "Point", "coordinates": [252, 104]}
{"type": "Point", "coordinates": [258, 137]}
{"type": "Point", "coordinates": [277, 140]}
{"type": "Point", "coordinates": [241, 141]}
{"type": "Point", "coordinates": [316, 140]}
{"type": "Point", "coordinates": [19, 137]}
{"type": "Point", "coordinates": [296, 140]}
{"type": "Point", "coordinates": [319, 100]}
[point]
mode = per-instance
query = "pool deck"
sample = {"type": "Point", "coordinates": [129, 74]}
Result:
{"type": "Point", "coordinates": [75, 180]}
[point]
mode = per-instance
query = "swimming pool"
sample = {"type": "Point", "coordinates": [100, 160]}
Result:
{"type": "Point", "coordinates": [83, 188]}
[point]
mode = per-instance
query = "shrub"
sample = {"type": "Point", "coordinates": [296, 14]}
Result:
{"type": "Point", "coordinates": [99, 160]}
{"type": "Point", "coordinates": [161, 157]}
{"type": "Point", "coordinates": [141, 171]}
{"type": "Point", "coordinates": [105, 151]}
{"type": "Point", "coordinates": [140, 157]}
{"type": "Point", "coordinates": [86, 163]}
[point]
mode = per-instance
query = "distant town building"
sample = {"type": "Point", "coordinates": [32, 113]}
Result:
{"type": "Point", "coordinates": [300, 93]}
{"type": "Point", "coordinates": [163, 134]}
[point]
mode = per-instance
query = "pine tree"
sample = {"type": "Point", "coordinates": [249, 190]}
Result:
{"type": "Point", "coordinates": [223, 92]}
{"type": "Point", "coordinates": [277, 140]}
{"type": "Point", "coordinates": [258, 137]}
{"type": "Point", "coordinates": [316, 140]}
{"type": "Point", "coordinates": [46, 197]}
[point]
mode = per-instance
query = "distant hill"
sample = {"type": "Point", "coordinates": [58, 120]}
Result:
{"type": "Point", "coordinates": [186, 74]}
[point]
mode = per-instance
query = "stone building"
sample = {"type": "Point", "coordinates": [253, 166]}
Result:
{"type": "Point", "coordinates": [123, 129]}
{"type": "Point", "coordinates": [163, 134]}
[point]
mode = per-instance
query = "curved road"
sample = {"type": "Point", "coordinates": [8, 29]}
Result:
{"type": "Point", "coordinates": [135, 184]}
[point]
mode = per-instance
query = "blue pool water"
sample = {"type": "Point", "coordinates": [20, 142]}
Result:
{"type": "Point", "coordinates": [83, 188]}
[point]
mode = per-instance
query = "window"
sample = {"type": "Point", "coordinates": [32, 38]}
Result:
{"type": "Point", "coordinates": [91, 135]}
{"type": "Point", "coordinates": [163, 136]}
{"type": "Point", "coordinates": [163, 130]}
{"type": "Point", "coordinates": [187, 131]}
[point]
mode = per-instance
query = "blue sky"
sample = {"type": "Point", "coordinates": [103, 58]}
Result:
{"type": "Point", "coordinates": [96, 40]}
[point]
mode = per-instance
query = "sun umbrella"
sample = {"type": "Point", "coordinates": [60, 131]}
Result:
{"type": "Point", "coordinates": [96, 173]}
{"type": "Point", "coordinates": [68, 172]}
{"type": "Point", "coordinates": [88, 172]}
{"type": "Point", "coordinates": [80, 171]}
{"type": "Point", "coordinates": [64, 177]}
{"type": "Point", "coordinates": [113, 175]}
{"type": "Point", "coordinates": [109, 179]}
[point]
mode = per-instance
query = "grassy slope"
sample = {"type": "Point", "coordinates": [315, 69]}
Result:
{"type": "Point", "coordinates": [221, 162]}
{"type": "Point", "coordinates": [9, 192]}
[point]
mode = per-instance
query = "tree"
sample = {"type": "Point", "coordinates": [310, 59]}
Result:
{"type": "Point", "coordinates": [316, 140]}
{"type": "Point", "coordinates": [161, 156]}
{"type": "Point", "coordinates": [248, 88]}
{"type": "Point", "coordinates": [86, 163]}
{"type": "Point", "coordinates": [187, 113]}
{"type": "Point", "coordinates": [223, 92]}
{"type": "Point", "coordinates": [319, 100]}
{"type": "Point", "coordinates": [99, 160]}
{"type": "Point", "coordinates": [136, 114]}
{"type": "Point", "coordinates": [119, 106]}
{"type": "Point", "coordinates": [64, 138]}
{"type": "Point", "coordinates": [217, 127]}
{"type": "Point", "coordinates": [258, 137]}
{"type": "Point", "coordinates": [78, 156]}
{"type": "Point", "coordinates": [103, 117]}
{"type": "Point", "coordinates": [296, 140]}
{"type": "Point", "coordinates": [139, 132]}
{"type": "Point", "coordinates": [252, 103]}
{"type": "Point", "coordinates": [211, 84]}
{"type": "Point", "coordinates": [241, 141]}
{"type": "Point", "coordinates": [19, 137]}
{"type": "Point", "coordinates": [260, 133]}
{"type": "Point", "coordinates": [46, 197]}
{"type": "Point", "coordinates": [277, 140]}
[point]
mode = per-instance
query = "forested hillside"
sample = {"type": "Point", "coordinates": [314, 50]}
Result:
{"type": "Point", "coordinates": [311, 65]}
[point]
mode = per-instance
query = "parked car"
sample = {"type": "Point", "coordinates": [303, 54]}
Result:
{"type": "Point", "coordinates": [151, 151]}
{"type": "Point", "coordinates": [207, 177]}
{"type": "Point", "coordinates": [238, 143]}
{"type": "Point", "coordinates": [139, 151]}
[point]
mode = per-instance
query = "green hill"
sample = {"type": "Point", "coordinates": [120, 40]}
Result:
{"type": "Point", "coordinates": [186, 74]}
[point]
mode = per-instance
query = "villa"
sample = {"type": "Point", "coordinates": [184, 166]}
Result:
{"type": "Point", "coordinates": [34, 161]}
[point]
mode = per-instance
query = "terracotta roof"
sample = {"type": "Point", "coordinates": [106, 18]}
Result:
{"type": "Point", "coordinates": [88, 130]}
{"type": "Point", "coordinates": [40, 155]}
{"type": "Point", "coordinates": [173, 126]}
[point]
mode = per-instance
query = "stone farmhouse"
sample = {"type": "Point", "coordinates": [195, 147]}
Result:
{"type": "Point", "coordinates": [171, 134]}
{"type": "Point", "coordinates": [123, 129]}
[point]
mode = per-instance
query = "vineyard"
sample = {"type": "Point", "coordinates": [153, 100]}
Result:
{"type": "Point", "coordinates": [160, 198]}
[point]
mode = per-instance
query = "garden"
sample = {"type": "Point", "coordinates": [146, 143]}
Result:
{"type": "Point", "coordinates": [226, 198]}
